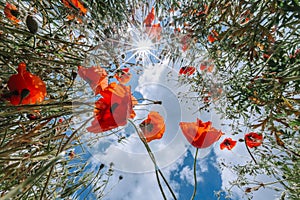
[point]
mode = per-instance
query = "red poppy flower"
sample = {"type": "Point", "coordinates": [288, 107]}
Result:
{"type": "Point", "coordinates": [75, 4]}
{"type": "Point", "coordinates": [209, 68]}
{"type": "Point", "coordinates": [154, 31]}
{"type": "Point", "coordinates": [150, 18]}
{"type": "Point", "coordinates": [295, 54]}
{"type": "Point", "coordinates": [228, 143]}
{"type": "Point", "coordinates": [123, 75]}
{"type": "Point", "coordinates": [188, 70]}
{"type": "Point", "coordinates": [95, 76]}
{"type": "Point", "coordinates": [11, 12]}
{"type": "Point", "coordinates": [177, 30]}
{"type": "Point", "coordinates": [185, 41]}
{"type": "Point", "coordinates": [134, 101]}
{"type": "Point", "coordinates": [200, 134]}
{"type": "Point", "coordinates": [253, 139]}
{"type": "Point", "coordinates": [153, 127]}
{"type": "Point", "coordinates": [113, 109]}
{"type": "Point", "coordinates": [25, 87]}
{"type": "Point", "coordinates": [213, 36]}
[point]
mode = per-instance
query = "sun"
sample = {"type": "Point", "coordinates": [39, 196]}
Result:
{"type": "Point", "coordinates": [141, 46]}
{"type": "Point", "coordinates": [144, 47]}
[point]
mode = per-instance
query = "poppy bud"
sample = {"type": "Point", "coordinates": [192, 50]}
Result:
{"type": "Point", "coordinates": [32, 116]}
{"type": "Point", "coordinates": [32, 24]}
{"type": "Point", "coordinates": [247, 190]}
{"type": "Point", "coordinates": [102, 166]}
{"type": "Point", "coordinates": [71, 154]}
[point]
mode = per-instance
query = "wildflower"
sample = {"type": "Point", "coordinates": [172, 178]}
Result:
{"type": "Point", "coordinates": [185, 42]}
{"type": "Point", "coordinates": [95, 76]}
{"type": "Point", "coordinates": [228, 143]}
{"type": "Point", "coordinates": [25, 87]}
{"type": "Point", "coordinates": [204, 67]}
{"type": "Point", "coordinates": [253, 139]}
{"type": "Point", "coordinates": [188, 70]}
{"type": "Point", "coordinates": [153, 127]}
{"type": "Point", "coordinates": [11, 12]}
{"type": "Point", "coordinates": [150, 18]}
{"type": "Point", "coordinates": [200, 134]}
{"type": "Point", "coordinates": [113, 109]}
{"type": "Point", "coordinates": [123, 76]}
{"type": "Point", "coordinates": [213, 36]}
{"type": "Point", "coordinates": [154, 31]}
{"type": "Point", "coordinates": [78, 5]}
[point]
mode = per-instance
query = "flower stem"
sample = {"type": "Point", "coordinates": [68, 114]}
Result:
{"type": "Point", "coordinates": [143, 139]}
{"type": "Point", "coordinates": [250, 153]}
{"type": "Point", "coordinates": [195, 175]}
{"type": "Point", "coordinates": [159, 184]}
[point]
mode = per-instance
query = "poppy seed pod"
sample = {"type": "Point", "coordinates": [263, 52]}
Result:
{"type": "Point", "coordinates": [32, 24]}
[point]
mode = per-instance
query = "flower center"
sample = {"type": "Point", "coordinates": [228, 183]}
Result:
{"type": "Point", "coordinates": [113, 107]}
{"type": "Point", "coordinates": [147, 127]}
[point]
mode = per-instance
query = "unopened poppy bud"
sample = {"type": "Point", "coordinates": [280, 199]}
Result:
{"type": "Point", "coordinates": [247, 190]}
{"type": "Point", "coordinates": [102, 166]}
{"type": "Point", "coordinates": [32, 116]}
{"type": "Point", "coordinates": [71, 154]}
{"type": "Point", "coordinates": [32, 24]}
{"type": "Point", "coordinates": [158, 102]}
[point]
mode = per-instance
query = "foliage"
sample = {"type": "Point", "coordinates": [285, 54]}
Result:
{"type": "Point", "coordinates": [257, 59]}
{"type": "Point", "coordinates": [249, 59]}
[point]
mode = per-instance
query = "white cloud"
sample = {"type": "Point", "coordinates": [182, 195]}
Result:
{"type": "Point", "coordinates": [132, 160]}
{"type": "Point", "coordinates": [136, 186]}
{"type": "Point", "coordinates": [239, 155]}
{"type": "Point", "coordinates": [187, 174]}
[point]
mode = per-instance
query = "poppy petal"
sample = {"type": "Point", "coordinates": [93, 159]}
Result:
{"type": "Point", "coordinates": [149, 18]}
{"type": "Point", "coordinates": [153, 127]}
{"type": "Point", "coordinates": [228, 143]}
{"type": "Point", "coordinates": [253, 139]}
{"type": "Point", "coordinates": [188, 70]}
{"type": "Point", "coordinates": [26, 88]}
{"type": "Point", "coordinates": [200, 134]}
{"type": "Point", "coordinates": [11, 12]}
{"type": "Point", "coordinates": [123, 76]}
{"type": "Point", "coordinates": [113, 109]}
{"type": "Point", "coordinates": [95, 76]}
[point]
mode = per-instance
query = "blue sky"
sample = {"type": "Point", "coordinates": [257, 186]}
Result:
{"type": "Point", "coordinates": [173, 153]}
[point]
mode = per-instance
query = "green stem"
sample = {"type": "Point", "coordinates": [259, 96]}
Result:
{"type": "Point", "coordinates": [292, 78]}
{"type": "Point", "coordinates": [159, 184]}
{"type": "Point", "coordinates": [195, 175]}
{"type": "Point", "coordinates": [18, 189]}
{"type": "Point", "coordinates": [250, 153]}
{"type": "Point", "coordinates": [143, 139]}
